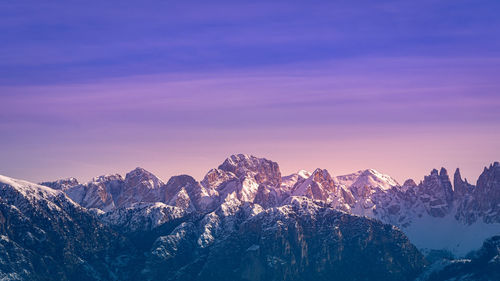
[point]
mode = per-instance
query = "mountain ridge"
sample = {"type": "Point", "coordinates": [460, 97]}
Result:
{"type": "Point", "coordinates": [44, 235]}
{"type": "Point", "coordinates": [246, 178]}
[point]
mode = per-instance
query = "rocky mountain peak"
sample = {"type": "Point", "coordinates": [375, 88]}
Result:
{"type": "Point", "coordinates": [485, 199]}
{"type": "Point", "coordinates": [215, 177]}
{"type": "Point", "coordinates": [186, 187]}
{"type": "Point", "coordinates": [141, 175]}
{"type": "Point", "coordinates": [61, 184]}
{"type": "Point", "coordinates": [457, 176]}
{"type": "Point", "coordinates": [364, 183]}
{"type": "Point", "coordinates": [181, 180]}
{"type": "Point", "coordinates": [261, 169]}
{"type": "Point", "coordinates": [288, 182]}
{"type": "Point", "coordinates": [322, 176]}
{"type": "Point", "coordinates": [436, 193]}
{"type": "Point", "coordinates": [490, 175]}
{"type": "Point", "coordinates": [107, 178]}
{"type": "Point", "coordinates": [318, 186]}
{"type": "Point", "coordinates": [461, 187]}
{"type": "Point", "coordinates": [140, 178]}
{"type": "Point", "coordinates": [37, 227]}
{"type": "Point", "coordinates": [409, 183]}
{"type": "Point", "coordinates": [443, 172]}
{"type": "Point", "coordinates": [139, 186]}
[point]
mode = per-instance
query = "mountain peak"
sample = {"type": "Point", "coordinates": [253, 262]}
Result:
{"type": "Point", "coordinates": [106, 178]}
{"type": "Point", "coordinates": [461, 187]}
{"type": "Point", "coordinates": [138, 170]}
{"type": "Point", "coordinates": [61, 184]}
{"type": "Point", "coordinates": [320, 175]}
{"type": "Point", "coordinates": [368, 178]}
{"type": "Point", "coordinates": [140, 174]}
{"type": "Point", "coordinates": [181, 180]}
{"type": "Point", "coordinates": [303, 173]}
{"type": "Point", "coordinates": [369, 172]}
{"type": "Point", "coordinates": [318, 186]}
{"type": "Point", "coordinates": [443, 172]}
{"type": "Point", "coordinates": [409, 183]}
{"type": "Point", "coordinates": [261, 169]}
{"type": "Point", "coordinates": [21, 185]}
{"type": "Point", "coordinates": [236, 160]}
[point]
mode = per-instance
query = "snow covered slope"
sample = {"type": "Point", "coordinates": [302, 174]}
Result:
{"type": "Point", "coordinates": [460, 215]}
{"type": "Point", "coordinates": [44, 235]}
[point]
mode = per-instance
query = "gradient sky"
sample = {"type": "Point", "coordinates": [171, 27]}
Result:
{"type": "Point", "coordinates": [95, 87]}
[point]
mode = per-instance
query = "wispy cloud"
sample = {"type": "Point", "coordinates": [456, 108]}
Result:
{"type": "Point", "coordinates": [337, 83]}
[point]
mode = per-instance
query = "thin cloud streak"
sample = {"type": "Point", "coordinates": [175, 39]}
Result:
{"type": "Point", "coordinates": [99, 87]}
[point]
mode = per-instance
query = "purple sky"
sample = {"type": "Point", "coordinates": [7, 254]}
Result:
{"type": "Point", "coordinates": [399, 86]}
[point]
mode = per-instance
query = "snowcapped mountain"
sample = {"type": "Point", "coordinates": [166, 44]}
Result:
{"type": "Point", "coordinates": [61, 184]}
{"type": "Point", "coordinates": [243, 213]}
{"type": "Point", "coordinates": [45, 235]}
{"type": "Point", "coordinates": [301, 240]}
{"type": "Point", "coordinates": [461, 215]}
{"type": "Point", "coordinates": [109, 192]}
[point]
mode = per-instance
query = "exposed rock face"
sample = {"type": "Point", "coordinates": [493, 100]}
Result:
{"type": "Point", "coordinates": [242, 175]}
{"type": "Point", "coordinates": [62, 184]}
{"type": "Point", "coordinates": [142, 216]}
{"type": "Point", "coordinates": [318, 186]}
{"type": "Point", "coordinates": [98, 193]}
{"type": "Point", "coordinates": [248, 179]}
{"type": "Point", "coordinates": [461, 188]}
{"type": "Point", "coordinates": [299, 241]}
{"type": "Point", "coordinates": [185, 190]}
{"type": "Point", "coordinates": [409, 184]}
{"type": "Point", "coordinates": [267, 197]}
{"type": "Point", "coordinates": [245, 216]}
{"type": "Point", "coordinates": [46, 236]}
{"type": "Point", "coordinates": [261, 170]}
{"type": "Point", "coordinates": [436, 193]}
{"type": "Point", "coordinates": [289, 182]}
{"type": "Point", "coordinates": [483, 203]}
{"type": "Point", "coordinates": [364, 183]}
{"type": "Point", "coordinates": [139, 186]}
{"type": "Point", "coordinates": [112, 191]}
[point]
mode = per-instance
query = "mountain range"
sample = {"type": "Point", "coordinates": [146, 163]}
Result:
{"type": "Point", "coordinates": [246, 221]}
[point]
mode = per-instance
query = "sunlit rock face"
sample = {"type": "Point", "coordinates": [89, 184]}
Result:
{"type": "Point", "coordinates": [260, 169]}
{"type": "Point", "coordinates": [462, 189]}
{"type": "Point", "coordinates": [45, 233]}
{"type": "Point", "coordinates": [174, 222]}
{"type": "Point", "coordinates": [242, 175]}
{"type": "Point", "coordinates": [139, 186]}
{"type": "Point", "coordinates": [412, 207]}
{"type": "Point", "coordinates": [436, 193]}
{"type": "Point", "coordinates": [98, 193]}
{"type": "Point", "coordinates": [482, 202]}
{"type": "Point", "coordinates": [186, 191]}
{"type": "Point", "coordinates": [318, 186]}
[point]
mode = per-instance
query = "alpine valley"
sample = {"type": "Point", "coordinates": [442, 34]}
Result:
{"type": "Point", "coordinates": [246, 221]}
